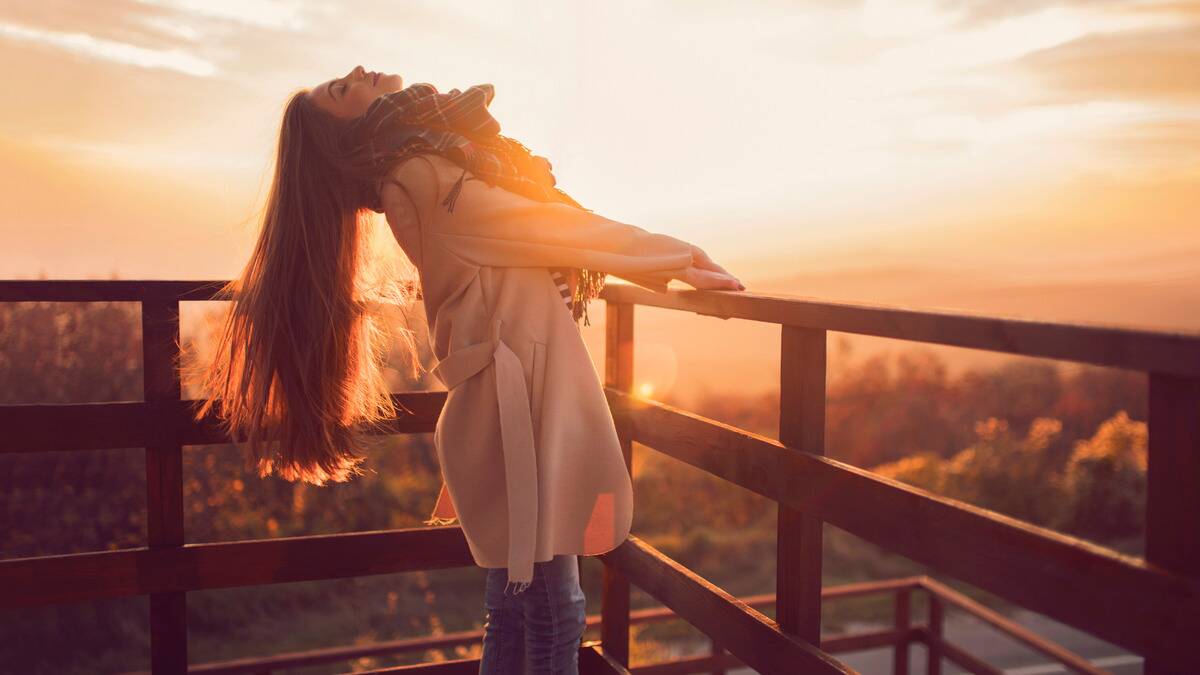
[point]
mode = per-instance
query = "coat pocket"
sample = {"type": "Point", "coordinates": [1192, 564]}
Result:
{"type": "Point", "coordinates": [539, 383]}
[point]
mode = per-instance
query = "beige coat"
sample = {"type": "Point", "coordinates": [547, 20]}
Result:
{"type": "Point", "coordinates": [529, 455]}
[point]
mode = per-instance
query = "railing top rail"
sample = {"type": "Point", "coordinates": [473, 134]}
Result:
{"type": "Point", "coordinates": [1164, 351]}
{"type": "Point", "coordinates": [1146, 349]}
{"type": "Point", "coordinates": [111, 290]}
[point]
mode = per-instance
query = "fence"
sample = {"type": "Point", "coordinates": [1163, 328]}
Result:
{"type": "Point", "coordinates": [1149, 606]}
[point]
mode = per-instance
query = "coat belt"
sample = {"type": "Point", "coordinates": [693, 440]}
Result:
{"type": "Point", "coordinates": [516, 437]}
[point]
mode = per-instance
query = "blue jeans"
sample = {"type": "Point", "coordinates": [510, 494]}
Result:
{"type": "Point", "coordinates": [537, 631]}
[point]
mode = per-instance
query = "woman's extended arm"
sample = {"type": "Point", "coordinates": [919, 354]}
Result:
{"type": "Point", "coordinates": [495, 227]}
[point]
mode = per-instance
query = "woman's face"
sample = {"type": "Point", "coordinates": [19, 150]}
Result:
{"type": "Point", "coordinates": [349, 96]}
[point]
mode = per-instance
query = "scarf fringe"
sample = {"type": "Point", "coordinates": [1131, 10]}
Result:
{"type": "Point", "coordinates": [452, 197]}
{"type": "Point", "coordinates": [590, 284]}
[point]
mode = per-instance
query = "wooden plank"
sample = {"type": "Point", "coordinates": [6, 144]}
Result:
{"type": "Point", "coordinates": [903, 622]}
{"type": "Point", "coordinates": [933, 634]}
{"type": "Point", "coordinates": [453, 667]}
{"type": "Point", "coordinates": [1069, 579]}
{"type": "Point", "coordinates": [856, 589]}
{"type": "Point", "coordinates": [948, 596]}
{"type": "Point", "coordinates": [1175, 352]}
{"type": "Point", "coordinates": [115, 290]}
{"type": "Point", "coordinates": [713, 663]}
{"type": "Point", "coordinates": [83, 577]}
{"type": "Point", "coordinates": [313, 657]}
{"type": "Point", "coordinates": [164, 483]}
{"type": "Point", "coordinates": [875, 587]}
{"type": "Point", "coordinates": [618, 374]}
{"type": "Point", "coordinates": [742, 630]}
{"type": "Point", "coordinates": [798, 538]}
{"type": "Point", "coordinates": [130, 424]}
{"type": "Point", "coordinates": [1173, 488]}
{"type": "Point", "coordinates": [105, 290]}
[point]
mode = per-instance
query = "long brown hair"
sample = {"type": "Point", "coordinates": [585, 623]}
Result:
{"type": "Point", "coordinates": [298, 369]}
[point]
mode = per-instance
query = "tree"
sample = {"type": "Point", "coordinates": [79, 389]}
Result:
{"type": "Point", "coordinates": [1106, 480]}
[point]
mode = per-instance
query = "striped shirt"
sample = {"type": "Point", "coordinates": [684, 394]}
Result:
{"type": "Point", "coordinates": [560, 282]}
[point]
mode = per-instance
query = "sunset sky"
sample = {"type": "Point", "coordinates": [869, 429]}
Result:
{"type": "Point", "coordinates": [1030, 138]}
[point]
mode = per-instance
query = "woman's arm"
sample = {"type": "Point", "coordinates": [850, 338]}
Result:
{"type": "Point", "coordinates": [494, 227]}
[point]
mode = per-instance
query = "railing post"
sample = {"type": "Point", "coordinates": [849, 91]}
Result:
{"type": "Point", "coordinates": [618, 374]}
{"type": "Point", "coordinates": [903, 622]}
{"type": "Point", "coordinates": [934, 662]}
{"type": "Point", "coordinates": [164, 482]}
{"type": "Point", "coordinates": [1173, 482]}
{"type": "Point", "coordinates": [798, 535]}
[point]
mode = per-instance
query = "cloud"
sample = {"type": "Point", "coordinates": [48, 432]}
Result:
{"type": "Point", "coordinates": [191, 37]}
{"type": "Point", "coordinates": [1150, 65]}
{"type": "Point", "coordinates": [1167, 144]}
{"type": "Point", "coordinates": [975, 12]}
{"type": "Point", "coordinates": [110, 50]}
{"type": "Point", "coordinates": [126, 21]}
{"type": "Point", "coordinates": [273, 14]}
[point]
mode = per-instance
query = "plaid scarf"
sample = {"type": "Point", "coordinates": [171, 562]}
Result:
{"type": "Point", "coordinates": [457, 125]}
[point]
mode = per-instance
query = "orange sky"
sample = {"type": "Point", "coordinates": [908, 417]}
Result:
{"type": "Point", "coordinates": [766, 132]}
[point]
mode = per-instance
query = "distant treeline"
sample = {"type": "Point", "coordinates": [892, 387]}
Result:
{"type": "Point", "coordinates": [1060, 446]}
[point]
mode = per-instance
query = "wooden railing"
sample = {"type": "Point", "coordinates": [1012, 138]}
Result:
{"type": "Point", "coordinates": [899, 637]}
{"type": "Point", "coordinates": [1149, 606]}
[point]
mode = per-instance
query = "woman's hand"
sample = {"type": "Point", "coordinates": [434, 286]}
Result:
{"type": "Point", "coordinates": [705, 274]}
{"type": "Point", "coordinates": [711, 280]}
{"type": "Point", "coordinates": [700, 259]}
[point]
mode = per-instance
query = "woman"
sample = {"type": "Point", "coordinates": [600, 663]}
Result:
{"type": "Point", "coordinates": [531, 462]}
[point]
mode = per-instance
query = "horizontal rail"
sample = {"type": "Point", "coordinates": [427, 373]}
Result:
{"type": "Point", "coordinates": [1134, 348]}
{"type": "Point", "coordinates": [313, 657]}
{"type": "Point", "coordinates": [129, 424]}
{"type": "Point", "coordinates": [1016, 631]}
{"type": "Point", "coordinates": [833, 644]}
{"type": "Point", "coordinates": [82, 577]}
{"type": "Point", "coordinates": [1069, 579]}
{"type": "Point", "coordinates": [1105, 345]}
{"type": "Point", "coordinates": [453, 667]}
{"type": "Point", "coordinates": [592, 660]}
{"type": "Point", "coordinates": [113, 290]}
{"type": "Point", "coordinates": [107, 290]}
{"type": "Point", "coordinates": [744, 631]}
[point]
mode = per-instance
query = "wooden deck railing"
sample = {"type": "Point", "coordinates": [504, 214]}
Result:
{"type": "Point", "coordinates": [899, 637]}
{"type": "Point", "coordinates": [1149, 606]}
